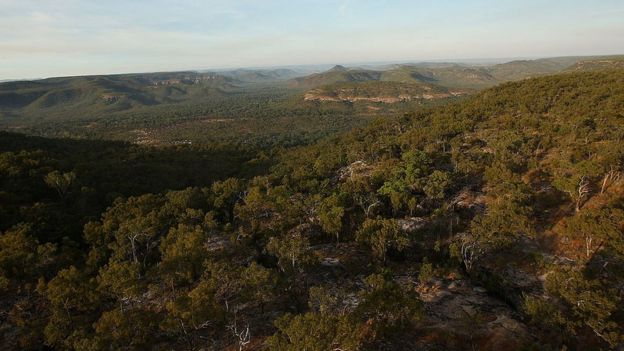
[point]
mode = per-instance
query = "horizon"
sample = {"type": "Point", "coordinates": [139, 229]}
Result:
{"type": "Point", "coordinates": [321, 67]}
{"type": "Point", "coordinates": [76, 38]}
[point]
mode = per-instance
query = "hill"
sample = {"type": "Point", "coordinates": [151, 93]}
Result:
{"type": "Point", "coordinates": [451, 75]}
{"type": "Point", "coordinates": [242, 106]}
{"type": "Point", "coordinates": [531, 171]}
{"type": "Point", "coordinates": [103, 95]}
{"type": "Point", "coordinates": [246, 105]}
{"type": "Point", "coordinates": [516, 70]}
{"type": "Point", "coordinates": [338, 74]}
{"type": "Point", "coordinates": [600, 64]}
{"type": "Point", "coordinates": [96, 95]}
{"type": "Point", "coordinates": [491, 223]}
{"type": "Point", "coordinates": [380, 92]}
{"type": "Point", "coordinates": [261, 75]}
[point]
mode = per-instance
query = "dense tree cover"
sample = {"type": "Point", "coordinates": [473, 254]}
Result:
{"type": "Point", "coordinates": [107, 245]}
{"type": "Point", "coordinates": [250, 107]}
{"type": "Point", "coordinates": [258, 115]}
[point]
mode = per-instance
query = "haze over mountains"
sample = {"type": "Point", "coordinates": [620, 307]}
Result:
{"type": "Point", "coordinates": [453, 75]}
{"type": "Point", "coordinates": [131, 105]}
{"type": "Point", "coordinates": [92, 95]}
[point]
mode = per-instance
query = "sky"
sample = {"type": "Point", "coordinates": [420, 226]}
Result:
{"type": "Point", "coordinates": [44, 38]}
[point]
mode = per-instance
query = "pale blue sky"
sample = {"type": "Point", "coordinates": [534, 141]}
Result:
{"type": "Point", "coordinates": [42, 38]}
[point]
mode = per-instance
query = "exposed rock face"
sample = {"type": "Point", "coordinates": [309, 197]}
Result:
{"type": "Point", "coordinates": [412, 224]}
{"type": "Point", "coordinates": [461, 311]}
{"type": "Point", "coordinates": [354, 170]}
{"type": "Point", "coordinates": [457, 314]}
{"type": "Point", "coordinates": [110, 98]}
{"type": "Point", "coordinates": [347, 96]}
{"type": "Point", "coordinates": [218, 243]}
{"type": "Point", "coordinates": [331, 262]}
{"type": "Point", "coordinates": [168, 82]}
{"type": "Point", "coordinates": [185, 79]}
{"type": "Point", "coordinates": [470, 200]}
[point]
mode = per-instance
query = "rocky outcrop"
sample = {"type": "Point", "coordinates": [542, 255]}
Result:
{"type": "Point", "coordinates": [355, 170]}
{"type": "Point", "coordinates": [412, 224]}
{"type": "Point", "coordinates": [109, 99]}
{"type": "Point", "coordinates": [345, 96]}
{"type": "Point", "coordinates": [465, 313]}
{"type": "Point", "coordinates": [468, 199]}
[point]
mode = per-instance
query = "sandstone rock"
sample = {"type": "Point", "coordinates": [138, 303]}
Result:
{"type": "Point", "coordinates": [470, 200]}
{"type": "Point", "coordinates": [354, 170]}
{"type": "Point", "coordinates": [412, 224]}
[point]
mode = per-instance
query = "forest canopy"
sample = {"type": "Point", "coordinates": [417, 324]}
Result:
{"type": "Point", "coordinates": [494, 222]}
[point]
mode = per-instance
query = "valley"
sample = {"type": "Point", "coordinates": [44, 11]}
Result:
{"type": "Point", "coordinates": [305, 175]}
{"type": "Point", "coordinates": [262, 107]}
{"type": "Point", "coordinates": [432, 206]}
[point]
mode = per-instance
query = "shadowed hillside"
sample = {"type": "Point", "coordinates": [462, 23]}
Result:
{"type": "Point", "coordinates": [491, 223]}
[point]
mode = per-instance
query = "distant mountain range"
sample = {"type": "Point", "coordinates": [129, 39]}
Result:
{"type": "Point", "coordinates": [261, 75]}
{"type": "Point", "coordinates": [106, 94]}
{"type": "Point", "coordinates": [456, 75]}
{"type": "Point", "coordinates": [113, 93]}
{"type": "Point", "coordinates": [96, 94]}
{"type": "Point", "coordinates": [597, 64]}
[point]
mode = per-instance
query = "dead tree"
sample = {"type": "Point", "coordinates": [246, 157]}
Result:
{"type": "Point", "coordinates": [133, 239]}
{"type": "Point", "coordinates": [367, 203]}
{"type": "Point", "coordinates": [582, 192]}
{"type": "Point", "coordinates": [470, 252]}
{"type": "Point", "coordinates": [610, 178]}
{"type": "Point", "coordinates": [243, 335]}
{"type": "Point", "coordinates": [588, 245]}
